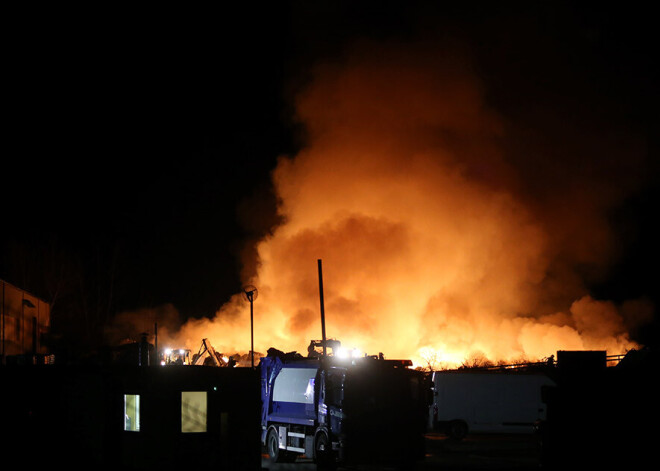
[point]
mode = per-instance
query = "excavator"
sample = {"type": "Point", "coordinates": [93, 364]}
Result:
{"type": "Point", "coordinates": [207, 356]}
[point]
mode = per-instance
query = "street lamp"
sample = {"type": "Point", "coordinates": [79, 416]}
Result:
{"type": "Point", "coordinates": [251, 294]}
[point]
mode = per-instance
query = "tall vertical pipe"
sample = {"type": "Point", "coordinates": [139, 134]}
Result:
{"type": "Point", "coordinates": [322, 305]}
{"type": "Point", "coordinates": [2, 324]}
{"type": "Point", "coordinates": [156, 343]}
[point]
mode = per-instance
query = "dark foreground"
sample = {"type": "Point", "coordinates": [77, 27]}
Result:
{"type": "Point", "coordinates": [487, 452]}
{"type": "Point", "coordinates": [597, 418]}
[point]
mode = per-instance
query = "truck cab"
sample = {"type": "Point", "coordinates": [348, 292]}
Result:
{"type": "Point", "coordinates": [358, 411]}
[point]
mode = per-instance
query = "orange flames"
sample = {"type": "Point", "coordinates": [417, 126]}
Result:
{"type": "Point", "coordinates": [441, 239]}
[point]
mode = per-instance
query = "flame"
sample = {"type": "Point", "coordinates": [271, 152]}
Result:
{"type": "Point", "coordinates": [439, 242]}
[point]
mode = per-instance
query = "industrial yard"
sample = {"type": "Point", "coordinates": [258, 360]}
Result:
{"type": "Point", "coordinates": [591, 408]}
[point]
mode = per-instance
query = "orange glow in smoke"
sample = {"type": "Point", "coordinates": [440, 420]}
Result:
{"type": "Point", "coordinates": [435, 246]}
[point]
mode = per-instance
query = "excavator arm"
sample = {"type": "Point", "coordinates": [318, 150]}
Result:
{"type": "Point", "coordinates": [206, 347]}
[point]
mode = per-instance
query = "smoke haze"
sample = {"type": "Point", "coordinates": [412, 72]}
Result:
{"type": "Point", "coordinates": [447, 229]}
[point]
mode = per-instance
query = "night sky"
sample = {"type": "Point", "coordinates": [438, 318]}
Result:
{"type": "Point", "coordinates": [139, 143]}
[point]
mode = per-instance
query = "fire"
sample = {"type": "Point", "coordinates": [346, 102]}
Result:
{"type": "Point", "coordinates": [437, 243]}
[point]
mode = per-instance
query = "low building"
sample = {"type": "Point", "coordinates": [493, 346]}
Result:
{"type": "Point", "coordinates": [24, 323]}
{"type": "Point", "coordinates": [132, 417]}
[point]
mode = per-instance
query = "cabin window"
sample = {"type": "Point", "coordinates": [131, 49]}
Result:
{"type": "Point", "coordinates": [132, 412]}
{"type": "Point", "coordinates": [193, 411]}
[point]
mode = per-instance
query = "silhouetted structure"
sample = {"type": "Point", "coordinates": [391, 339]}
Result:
{"type": "Point", "coordinates": [598, 416]}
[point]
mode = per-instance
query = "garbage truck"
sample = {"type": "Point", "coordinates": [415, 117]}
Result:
{"type": "Point", "coordinates": [487, 402]}
{"type": "Point", "coordinates": [365, 410]}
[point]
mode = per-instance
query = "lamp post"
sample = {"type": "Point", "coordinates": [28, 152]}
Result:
{"type": "Point", "coordinates": [251, 294]}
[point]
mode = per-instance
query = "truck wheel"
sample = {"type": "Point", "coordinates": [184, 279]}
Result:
{"type": "Point", "coordinates": [458, 430]}
{"type": "Point", "coordinates": [323, 455]}
{"type": "Point", "coordinates": [276, 454]}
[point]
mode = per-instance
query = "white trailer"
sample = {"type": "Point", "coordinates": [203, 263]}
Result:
{"type": "Point", "coordinates": [487, 402]}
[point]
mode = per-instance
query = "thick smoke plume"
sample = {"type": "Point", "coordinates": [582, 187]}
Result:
{"type": "Point", "coordinates": [446, 230]}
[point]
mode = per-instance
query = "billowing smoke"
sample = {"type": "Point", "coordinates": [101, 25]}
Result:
{"type": "Point", "coordinates": [446, 230]}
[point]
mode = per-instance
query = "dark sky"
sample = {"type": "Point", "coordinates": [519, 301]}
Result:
{"type": "Point", "coordinates": [153, 132]}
